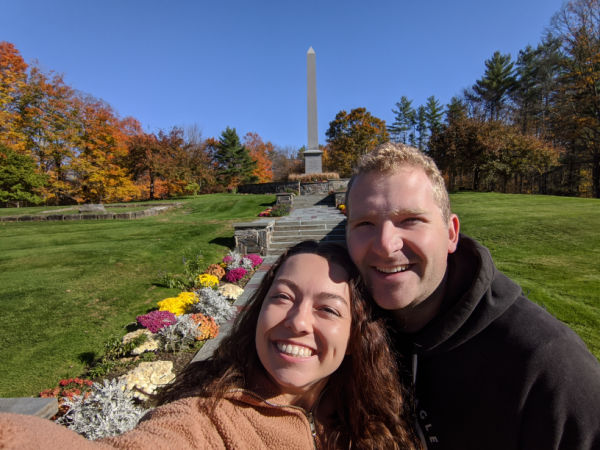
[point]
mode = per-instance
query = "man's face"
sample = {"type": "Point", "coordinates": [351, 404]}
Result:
{"type": "Point", "coordinates": [397, 237]}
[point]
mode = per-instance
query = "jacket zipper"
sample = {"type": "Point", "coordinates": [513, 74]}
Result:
{"type": "Point", "coordinates": [313, 428]}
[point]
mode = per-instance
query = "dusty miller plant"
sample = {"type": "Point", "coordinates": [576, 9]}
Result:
{"type": "Point", "coordinates": [247, 263]}
{"type": "Point", "coordinates": [213, 303]}
{"type": "Point", "coordinates": [181, 334]}
{"type": "Point", "coordinates": [108, 411]}
{"type": "Point", "coordinates": [236, 260]}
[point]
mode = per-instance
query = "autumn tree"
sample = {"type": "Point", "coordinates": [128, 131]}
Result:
{"type": "Point", "coordinates": [100, 173]}
{"type": "Point", "coordinates": [50, 120]}
{"type": "Point", "coordinates": [261, 153]}
{"type": "Point", "coordinates": [577, 115]}
{"type": "Point", "coordinates": [13, 78]}
{"type": "Point", "coordinates": [232, 160]}
{"type": "Point", "coordinates": [351, 135]}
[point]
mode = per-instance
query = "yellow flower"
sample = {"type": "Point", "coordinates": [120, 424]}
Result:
{"type": "Point", "coordinates": [207, 280]}
{"type": "Point", "coordinates": [178, 305]}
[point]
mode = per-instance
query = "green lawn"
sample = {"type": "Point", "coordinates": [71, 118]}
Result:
{"type": "Point", "coordinates": [549, 245]}
{"type": "Point", "coordinates": [66, 287]}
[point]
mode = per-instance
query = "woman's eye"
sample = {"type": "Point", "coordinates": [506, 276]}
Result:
{"type": "Point", "coordinates": [330, 310]}
{"type": "Point", "coordinates": [280, 296]}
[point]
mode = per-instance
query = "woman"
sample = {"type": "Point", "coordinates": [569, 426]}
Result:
{"type": "Point", "coordinates": [305, 366]}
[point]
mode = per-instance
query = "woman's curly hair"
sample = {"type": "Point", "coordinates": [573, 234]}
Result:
{"type": "Point", "coordinates": [370, 404]}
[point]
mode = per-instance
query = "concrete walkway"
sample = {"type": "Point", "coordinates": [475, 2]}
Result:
{"type": "Point", "coordinates": [312, 217]}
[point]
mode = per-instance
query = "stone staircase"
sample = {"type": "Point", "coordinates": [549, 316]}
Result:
{"type": "Point", "coordinates": [312, 217]}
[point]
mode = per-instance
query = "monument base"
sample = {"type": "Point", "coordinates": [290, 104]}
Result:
{"type": "Point", "coordinates": [313, 161]}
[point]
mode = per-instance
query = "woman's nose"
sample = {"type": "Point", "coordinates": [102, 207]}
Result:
{"type": "Point", "coordinates": [299, 318]}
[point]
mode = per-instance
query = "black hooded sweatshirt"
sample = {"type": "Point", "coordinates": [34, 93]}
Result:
{"type": "Point", "coordinates": [493, 370]}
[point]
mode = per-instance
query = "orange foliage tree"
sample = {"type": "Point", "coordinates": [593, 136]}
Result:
{"type": "Point", "coordinates": [262, 154]}
{"type": "Point", "coordinates": [13, 78]}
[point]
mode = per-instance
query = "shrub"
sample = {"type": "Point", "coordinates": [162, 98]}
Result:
{"type": "Point", "coordinates": [207, 280]}
{"type": "Point", "coordinates": [280, 210]}
{"type": "Point", "coordinates": [214, 304]}
{"type": "Point", "coordinates": [216, 270]}
{"type": "Point", "coordinates": [108, 410]}
{"type": "Point", "coordinates": [182, 334]}
{"type": "Point", "coordinates": [235, 275]}
{"type": "Point", "coordinates": [155, 320]}
{"type": "Point", "coordinates": [308, 177]}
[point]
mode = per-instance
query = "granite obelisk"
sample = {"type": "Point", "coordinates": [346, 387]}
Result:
{"type": "Point", "coordinates": [312, 154]}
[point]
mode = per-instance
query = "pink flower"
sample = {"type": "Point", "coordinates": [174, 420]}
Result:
{"type": "Point", "coordinates": [256, 259]}
{"type": "Point", "coordinates": [155, 320]}
{"type": "Point", "coordinates": [236, 274]}
{"type": "Point", "coordinates": [227, 259]}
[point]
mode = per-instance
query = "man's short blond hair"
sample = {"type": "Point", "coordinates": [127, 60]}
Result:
{"type": "Point", "coordinates": [389, 157]}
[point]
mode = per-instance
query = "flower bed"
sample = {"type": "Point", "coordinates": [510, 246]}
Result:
{"type": "Point", "coordinates": [118, 387]}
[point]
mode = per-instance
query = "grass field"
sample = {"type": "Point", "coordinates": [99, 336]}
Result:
{"type": "Point", "coordinates": [66, 287]}
{"type": "Point", "coordinates": [549, 245]}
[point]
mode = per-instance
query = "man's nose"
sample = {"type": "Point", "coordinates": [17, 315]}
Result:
{"type": "Point", "coordinates": [388, 239]}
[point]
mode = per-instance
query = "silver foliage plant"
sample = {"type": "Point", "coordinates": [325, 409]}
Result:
{"type": "Point", "coordinates": [180, 335]}
{"type": "Point", "coordinates": [108, 411]}
{"type": "Point", "coordinates": [236, 260]}
{"type": "Point", "coordinates": [247, 263]}
{"type": "Point", "coordinates": [213, 303]}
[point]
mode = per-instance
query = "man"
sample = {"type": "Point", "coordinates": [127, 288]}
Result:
{"type": "Point", "coordinates": [491, 370]}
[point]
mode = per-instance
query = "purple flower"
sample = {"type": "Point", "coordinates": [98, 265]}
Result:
{"type": "Point", "coordinates": [235, 274]}
{"type": "Point", "coordinates": [155, 320]}
{"type": "Point", "coordinates": [227, 259]}
{"type": "Point", "coordinates": [256, 259]}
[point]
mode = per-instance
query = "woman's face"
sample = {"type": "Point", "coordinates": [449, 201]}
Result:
{"type": "Point", "coordinates": [304, 324]}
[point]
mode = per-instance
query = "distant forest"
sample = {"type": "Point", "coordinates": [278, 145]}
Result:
{"type": "Point", "coordinates": [528, 125]}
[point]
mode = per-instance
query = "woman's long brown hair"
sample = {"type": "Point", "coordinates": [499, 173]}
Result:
{"type": "Point", "coordinates": [371, 410]}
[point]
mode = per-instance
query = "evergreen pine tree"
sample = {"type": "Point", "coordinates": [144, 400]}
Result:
{"type": "Point", "coordinates": [234, 164]}
{"type": "Point", "coordinates": [493, 89]}
{"type": "Point", "coordinates": [404, 121]}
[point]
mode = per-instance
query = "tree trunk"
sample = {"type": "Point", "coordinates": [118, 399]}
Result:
{"type": "Point", "coordinates": [596, 174]}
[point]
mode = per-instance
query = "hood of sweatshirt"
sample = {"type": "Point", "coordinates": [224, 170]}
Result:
{"type": "Point", "coordinates": [476, 294]}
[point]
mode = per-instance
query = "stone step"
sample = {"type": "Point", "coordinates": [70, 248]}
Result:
{"type": "Point", "coordinates": [309, 226]}
{"type": "Point", "coordinates": [292, 233]}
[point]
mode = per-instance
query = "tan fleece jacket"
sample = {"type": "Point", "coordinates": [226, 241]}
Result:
{"type": "Point", "coordinates": [241, 421]}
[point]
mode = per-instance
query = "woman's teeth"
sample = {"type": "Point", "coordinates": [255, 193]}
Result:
{"type": "Point", "coordinates": [294, 350]}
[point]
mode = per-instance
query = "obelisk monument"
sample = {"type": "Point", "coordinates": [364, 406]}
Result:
{"type": "Point", "coordinates": [312, 154]}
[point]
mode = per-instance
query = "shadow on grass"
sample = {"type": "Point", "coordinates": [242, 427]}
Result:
{"type": "Point", "coordinates": [228, 242]}
{"type": "Point", "coordinates": [87, 358]}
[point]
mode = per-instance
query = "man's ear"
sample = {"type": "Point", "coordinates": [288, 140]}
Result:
{"type": "Point", "coordinates": [453, 232]}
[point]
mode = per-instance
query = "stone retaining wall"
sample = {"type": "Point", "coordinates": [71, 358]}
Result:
{"type": "Point", "coordinates": [316, 187]}
{"type": "Point", "coordinates": [152, 211]}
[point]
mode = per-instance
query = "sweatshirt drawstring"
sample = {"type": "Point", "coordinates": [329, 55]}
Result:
{"type": "Point", "coordinates": [420, 434]}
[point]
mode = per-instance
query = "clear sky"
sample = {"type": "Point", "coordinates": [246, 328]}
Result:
{"type": "Point", "coordinates": [242, 63]}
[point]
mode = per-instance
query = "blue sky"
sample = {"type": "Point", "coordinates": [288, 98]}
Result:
{"type": "Point", "coordinates": [243, 63]}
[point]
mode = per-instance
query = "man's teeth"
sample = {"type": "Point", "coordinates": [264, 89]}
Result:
{"type": "Point", "coordinates": [393, 269]}
{"type": "Point", "coordinates": [294, 350]}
